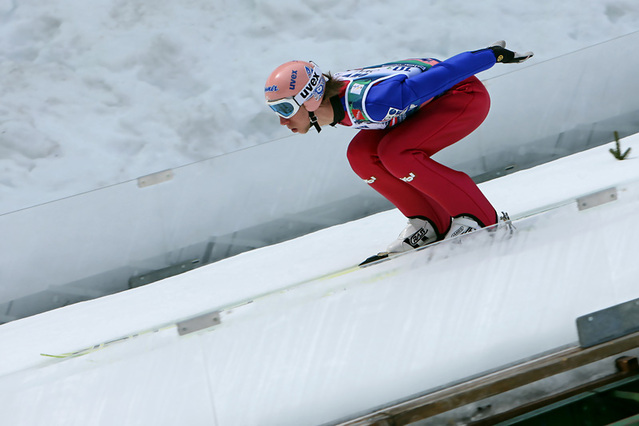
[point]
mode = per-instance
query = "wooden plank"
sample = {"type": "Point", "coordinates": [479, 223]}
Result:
{"type": "Point", "coordinates": [429, 405]}
{"type": "Point", "coordinates": [626, 366]}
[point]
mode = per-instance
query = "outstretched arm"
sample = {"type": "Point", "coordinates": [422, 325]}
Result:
{"type": "Point", "coordinates": [400, 92]}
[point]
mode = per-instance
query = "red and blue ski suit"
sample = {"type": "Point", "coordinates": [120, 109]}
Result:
{"type": "Point", "coordinates": [409, 110]}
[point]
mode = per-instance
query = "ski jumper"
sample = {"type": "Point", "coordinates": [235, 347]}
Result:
{"type": "Point", "coordinates": [409, 110]}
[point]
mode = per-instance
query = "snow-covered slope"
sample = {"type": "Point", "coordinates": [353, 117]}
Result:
{"type": "Point", "coordinates": [99, 93]}
{"type": "Point", "coordinates": [337, 345]}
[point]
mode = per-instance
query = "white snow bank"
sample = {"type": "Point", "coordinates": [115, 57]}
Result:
{"type": "Point", "coordinates": [338, 345]}
{"type": "Point", "coordinates": [100, 93]}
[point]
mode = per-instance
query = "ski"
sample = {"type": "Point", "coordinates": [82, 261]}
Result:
{"type": "Point", "coordinates": [99, 346]}
{"type": "Point", "coordinates": [504, 223]}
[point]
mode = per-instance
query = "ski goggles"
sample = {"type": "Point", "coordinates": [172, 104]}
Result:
{"type": "Point", "coordinates": [285, 108]}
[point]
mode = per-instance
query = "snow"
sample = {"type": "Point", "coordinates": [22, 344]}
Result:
{"type": "Point", "coordinates": [100, 93]}
{"type": "Point", "coordinates": [103, 92]}
{"type": "Point", "coordinates": [339, 344]}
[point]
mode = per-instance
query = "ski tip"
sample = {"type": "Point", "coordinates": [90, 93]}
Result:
{"type": "Point", "coordinates": [373, 259]}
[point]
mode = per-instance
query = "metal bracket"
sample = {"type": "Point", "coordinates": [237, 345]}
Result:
{"type": "Point", "coordinates": [199, 323]}
{"type": "Point", "coordinates": [155, 178]}
{"type": "Point", "coordinates": [597, 198]}
{"type": "Point", "coordinates": [608, 324]}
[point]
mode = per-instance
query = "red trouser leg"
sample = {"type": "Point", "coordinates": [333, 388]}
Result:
{"type": "Point", "coordinates": [399, 159]}
{"type": "Point", "coordinates": [362, 155]}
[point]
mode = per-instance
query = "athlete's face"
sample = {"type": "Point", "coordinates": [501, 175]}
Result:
{"type": "Point", "coordinates": [298, 123]}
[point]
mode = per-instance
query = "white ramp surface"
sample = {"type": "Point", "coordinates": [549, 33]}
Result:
{"type": "Point", "coordinates": [304, 340]}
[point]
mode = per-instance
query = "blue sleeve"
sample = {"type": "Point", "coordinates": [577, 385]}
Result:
{"type": "Point", "coordinates": [400, 92]}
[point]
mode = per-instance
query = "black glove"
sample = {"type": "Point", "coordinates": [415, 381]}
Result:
{"type": "Point", "coordinates": [508, 56]}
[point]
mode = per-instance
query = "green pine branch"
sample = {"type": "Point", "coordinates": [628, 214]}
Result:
{"type": "Point", "coordinates": [616, 152]}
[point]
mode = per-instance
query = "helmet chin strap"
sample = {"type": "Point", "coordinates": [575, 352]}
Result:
{"type": "Point", "coordinates": [314, 123]}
